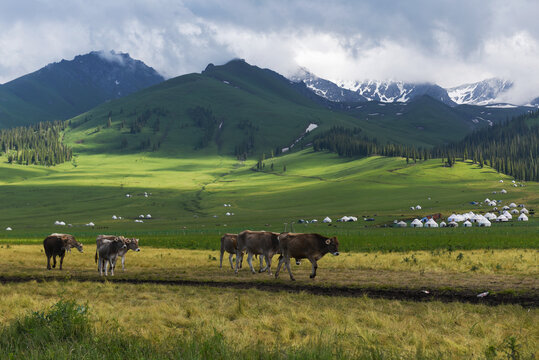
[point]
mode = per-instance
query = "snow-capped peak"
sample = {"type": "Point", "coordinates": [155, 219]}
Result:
{"type": "Point", "coordinates": [480, 93]}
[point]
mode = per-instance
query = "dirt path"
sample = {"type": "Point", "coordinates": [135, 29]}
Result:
{"type": "Point", "coordinates": [526, 299]}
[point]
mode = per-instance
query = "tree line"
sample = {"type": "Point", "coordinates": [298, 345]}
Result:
{"type": "Point", "coordinates": [38, 144]}
{"type": "Point", "coordinates": [511, 147]}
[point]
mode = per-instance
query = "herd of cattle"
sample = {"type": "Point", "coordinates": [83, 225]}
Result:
{"type": "Point", "coordinates": [264, 244]}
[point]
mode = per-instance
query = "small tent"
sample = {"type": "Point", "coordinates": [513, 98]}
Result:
{"type": "Point", "coordinates": [9, 229]}
{"type": "Point", "coordinates": [443, 224]}
{"type": "Point", "coordinates": [416, 223]}
{"type": "Point", "coordinates": [484, 223]}
{"type": "Point", "coordinates": [524, 211]}
{"type": "Point", "coordinates": [453, 224]}
{"type": "Point", "coordinates": [507, 215]}
{"type": "Point", "coordinates": [513, 205]}
{"type": "Point", "coordinates": [503, 191]}
{"type": "Point", "coordinates": [501, 218]}
{"type": "Point", "coordinates": [467, 224]}
{"type": "Point", "coordinates": [522, 217]}
{"type": "Point", "coordinates": [327, 219]}
{"type": "Point", "coordinates": [401, 224]}
{"type": "Point", "coordinates": [431, 224]}
{"type": "Point", "coordinates": [515, 211]}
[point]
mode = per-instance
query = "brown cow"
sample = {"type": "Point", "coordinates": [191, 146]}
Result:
{"type": "Point", "coordinates": [229, 244]}
{"type": "Point", "coordinates": [56, 245]}
{"type": "Point", "coordinates": [301, 246]}
{"type": "Point", "coordinates": [131, 244]}
{"type": "Point", "coordinates": [264, 243]}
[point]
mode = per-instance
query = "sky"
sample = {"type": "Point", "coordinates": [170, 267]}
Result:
{"type": "Point", "coordinates": [444, 42]}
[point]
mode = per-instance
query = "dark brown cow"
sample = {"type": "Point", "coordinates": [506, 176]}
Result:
{"type": "Point", "coordinates": [56, 245]}
{"type": "Point", "coordinates": [229, 244]}
{"type": "Point", "coordinates": [131, 244]}
{"type": "Point", "coordinates": [305, 246]}
{"type": "Point", "coordinates": [264, 243]}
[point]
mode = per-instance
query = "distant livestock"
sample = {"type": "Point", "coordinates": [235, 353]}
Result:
{"type": "Point", "coordinates": [304, 246]}
{"type": "Point", "coordinates": [107, 253]}
{"type": "Point", "coordinates": [56, 245]}
{"type": "Point", "coordinates": [130, 243]}
{"type": "Point", "coordinates": [264, 243]}
{"type": "Point", "coordinates": [229, 244]}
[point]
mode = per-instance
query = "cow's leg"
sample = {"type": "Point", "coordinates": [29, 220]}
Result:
{"type": "Point", "coordinates": [287, 264]}
{"type": "Point", "coordinates": [61, 260]}
{"type": "Point", "coordinates": [106, 263]}
{"type": "Point", "coordinates": [112, 266]}
{"type": "Point", "coordinates": [268, 262]}
{"type": "Point", "coordinates": [48, 262]}
{"type": "Point", "coordinates": [262, 267]}
{"type": "Point", "coordinates": [238, 253]}
{"type": "Point", "coordinates": [123, 262]}
{"type": "Point", "coordinates": [54, 261]}
{"type": "Point", "coordinates": [230, 256]}
{"type": "Point", "coordinates": [315, 266]}
{"type": "Point", "coordinates": [281, 260]}
{"type": "Point", "coordinates": [221, 258]}
{"type": "Point", "coordinates": [250, 262]}
{"type": "Point", "coordinates": [241, 259]}
{"type": "Point", "coordinates": [100, 266]}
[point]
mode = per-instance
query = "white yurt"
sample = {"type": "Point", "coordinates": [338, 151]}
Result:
{"type": "Point", "coordinates": [501, 181]}
{"type": "Point", "coordinates": [327, 219]}
{"type": "Point", "coordinates": [484, 223]}
{"type": "Point", "coordinates": [501, 218]}
{"type": "Point", "coordinates": [467, 224]}
{"type": "Point", "coordinates": [503, 191]}
{"type": "Point", "coordinates": [352, 218]}
{"type": "Point", "coordinates": [343, 219]}
{"type": "Point", "coordinates": [490, 216]}
{"type": "Point", "coordinates": [412, 207]}
{"type": "Point", "coordinates": [513, 181]}
{"type": "Point", "coordinates": [524, 211]}
{"type": "Point", "coordinates": [453, 224]}
{"type": "Point", "coordinates": [452, 217]}
{"type": "Point", "coordinates": [515, 211]}
{"type": "Point", "coordinates": [416, 223]}
{"type": "Point", "coordinates": [477, 218]}
{"type": "Point", "coordinates": [314, 221]}
{"type": "Point", "coordinates": [443, 224]}
{"type": "Point", "coordinates": [114, 217]}
{"type": "Point", "coordinates": [402, 224]}
{"type": "Point", "coordinates": [522, 217]}
{"type": "Point", "coordinates": [418, 207]}
{"type": "Point", "coordinates": [506, 207]}
{"type": "Point", "coordinates": [149, 216]}
{"type": "Point", "coordinates": [431, 224]}
{"type": "Point", "coordinates": [507, 215]}
{"type": "Point", "coordinates": [487, 201]}
{"type": "Point", "coordinates": [9, 229]}
{"type": "Point", "coordinates": [513, 205]}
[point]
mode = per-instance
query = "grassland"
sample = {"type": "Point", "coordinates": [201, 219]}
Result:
{"type": "Point", "coordinates": [256, 324]}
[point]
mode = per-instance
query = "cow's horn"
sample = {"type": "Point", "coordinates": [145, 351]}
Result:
{"type": "Point", "coordinates": [328, 241]}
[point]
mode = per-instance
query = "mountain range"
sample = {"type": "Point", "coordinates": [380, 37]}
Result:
{"type": "Point", "coordinates": [67, 88]}
{"type": "Point", "coordinates": [486, 92]}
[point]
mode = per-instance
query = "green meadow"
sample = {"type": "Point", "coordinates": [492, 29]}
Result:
{"type": "Point", "coordinates": [186, 198]}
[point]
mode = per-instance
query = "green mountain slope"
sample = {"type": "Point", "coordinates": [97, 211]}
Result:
{"type": "Point", "coordinates": [230, 109]}
{"type": "Point", "coordinates": [67, 88]}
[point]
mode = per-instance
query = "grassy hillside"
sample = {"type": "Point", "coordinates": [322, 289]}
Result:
{"type": "Point", "coordinates": [190, 192]}
{"type": "Point", "coordinates": [62, 90]}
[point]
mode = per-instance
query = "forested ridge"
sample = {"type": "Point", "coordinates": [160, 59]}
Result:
{"type": "Point", "coordinates": [511, 147]}
{"type": "Point", "coordinates": [38, 144]}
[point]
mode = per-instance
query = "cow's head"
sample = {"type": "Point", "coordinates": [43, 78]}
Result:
{"type": "Point", "coordinates": [132, 244]}
{"type": "Point", "coordinates": [332, 245]}
{"type": "Point", "coordinates": [69, 242]}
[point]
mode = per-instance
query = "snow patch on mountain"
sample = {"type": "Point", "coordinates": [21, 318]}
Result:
{"type": "Point", "coordinates": [480, 93]}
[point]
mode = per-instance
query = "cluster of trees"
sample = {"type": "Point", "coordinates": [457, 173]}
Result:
{"type": "Point", "coordinates": [349, 143]}
{"type": "Point", "coordinates": [38, 144]}
{"type": "Point", "coordinates": [511, 147]}
{"type": "Point", "coordinates": [247, 142]}
{"type": "Point", "coordinates": [205, 119]}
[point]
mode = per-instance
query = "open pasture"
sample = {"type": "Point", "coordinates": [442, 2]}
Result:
{"type": "Point", "coordinates": [501, 271]}
{"type": "Point", "coordinates": [189, 193]}
{"type": "Point", "coordinates": [163, 321]}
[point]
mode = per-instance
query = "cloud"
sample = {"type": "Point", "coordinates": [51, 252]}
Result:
{"type": "Point", "coordinates": [444, 42]}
